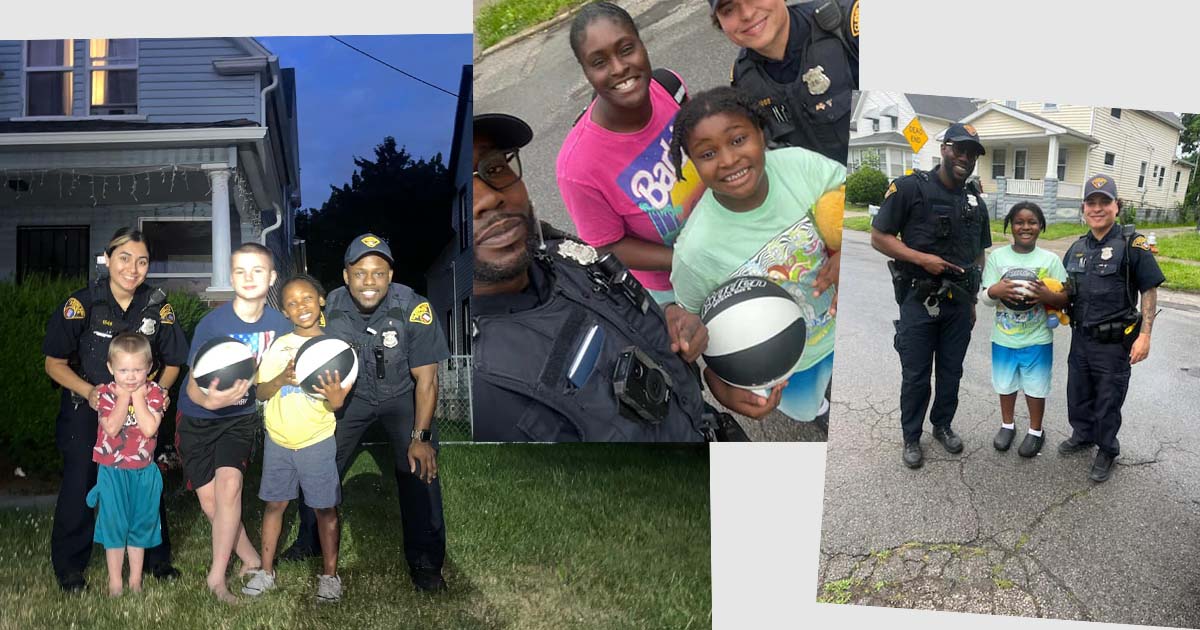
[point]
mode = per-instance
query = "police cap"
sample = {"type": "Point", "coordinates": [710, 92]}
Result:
{"type": "Point", "coordinates": [504, 130]}
{"type": "Point", "coordinates": [1100, 184]}
{"type": "Point", "coordinates": [367, 244]}
{"type": "Point", "coordinates": [960, 133]}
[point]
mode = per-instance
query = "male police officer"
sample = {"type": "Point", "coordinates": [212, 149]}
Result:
{"type": "Point", "coordinates": [569, 347]}
{"type": "Point", "coordinates": [944, 224]}
{"type": "Point", "coordinates": [399, 346]}
{"type": "Point", "coordinates": [1108, 268]}
{"type": "Point", "coordinates": [800, 63]}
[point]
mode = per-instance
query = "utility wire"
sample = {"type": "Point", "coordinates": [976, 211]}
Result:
{"type": "Point", "coordinates": [415, 78]}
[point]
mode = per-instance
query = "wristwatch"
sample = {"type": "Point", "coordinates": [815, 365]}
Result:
{"type": "Point", "coordinates": [422, 436]}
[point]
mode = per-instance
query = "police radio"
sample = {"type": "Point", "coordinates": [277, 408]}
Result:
{"type": "Point", "coordinates": [609, 272]}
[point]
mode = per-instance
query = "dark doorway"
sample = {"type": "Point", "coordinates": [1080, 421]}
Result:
{"type": "Point", "coordinates": [56, 251]}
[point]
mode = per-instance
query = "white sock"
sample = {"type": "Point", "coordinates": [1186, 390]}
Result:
{"type": "Point", "coordinates": [1010, 427]}
{"type": "Point", "coordinates": [1037, 433]}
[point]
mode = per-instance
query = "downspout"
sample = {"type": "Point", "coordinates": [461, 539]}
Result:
{"type": "Point", "coordinates": [262, 239]}
{"type": "Point", "coordinates": [272, 63]}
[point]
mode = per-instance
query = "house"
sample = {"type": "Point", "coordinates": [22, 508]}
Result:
{"type": "Point", "coordinates": [1044, 152]}
{"type": "Point", "coordinates": [193, 141]}
{"type": "Point", "coordinates": [879, 118]}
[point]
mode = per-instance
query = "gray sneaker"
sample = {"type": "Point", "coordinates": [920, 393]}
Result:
{"type": "Point", "coordinates": [329, 588]}
{"type": "Point", "coordinates": [260, 582]}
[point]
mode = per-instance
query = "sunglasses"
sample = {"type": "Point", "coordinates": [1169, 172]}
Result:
{"type": "Point", "coordinates": [968, 149]}
{"type": "Point", "coordinates": [499, 169]}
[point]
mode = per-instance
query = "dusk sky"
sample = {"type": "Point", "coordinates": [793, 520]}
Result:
{"type": "Point", "coordinates": [348, 102]}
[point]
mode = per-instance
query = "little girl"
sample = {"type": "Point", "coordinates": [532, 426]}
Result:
{"type": "Point", "coordinates": [1022, 343]}
{"type": "Point", "coordinates": [757, 218]}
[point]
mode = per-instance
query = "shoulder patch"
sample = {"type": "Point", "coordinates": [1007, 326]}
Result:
{"type": "Point", "coordinates": [421, 314]}
{"type": "Point", "coordinates": [1139, 242]}
{"type": "Point", "coordinates": [166, 314]}
{"type": "Point", "coordinates": [73, 309]}
{"type": "Point", "coordinates": [890, 191]}
{"type": "Point", "coordinates": [854, 20]}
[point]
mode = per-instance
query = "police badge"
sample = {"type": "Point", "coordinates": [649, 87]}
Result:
{"type": "Point", "coordinates": [389, 339]}
{"type": "Point", "coordinates": [816, 80]}
{"type": "Point", "coordinates": [972, 201]}
{"type": "Point", "coordinates": [1106, 253]}
{"type": "Point", "coordinates": [148, 326]}
{"type": "Point", "coordinates": [578, 252]}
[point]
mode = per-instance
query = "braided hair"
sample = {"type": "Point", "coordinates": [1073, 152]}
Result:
{"type": "Point", "coordinates": [722, 100]}
{"type": "Point", "coordinates": [1025, 205]}
{"type": "Point", "coordinates": [595, 11]}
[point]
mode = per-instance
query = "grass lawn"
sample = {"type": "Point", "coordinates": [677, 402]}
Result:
{"type": "Point", "coordinates": [539, 536]}
{"type": "Point", "coordinates": [1071, 228]}
{"type": "Point", "coordinates": [860, 224]}
{"type": "Point", "coordinates": [509, 17]}
{"type": "Point", "coordinates": [1185, 246]}
{"type": "Point", "coordinates": [1180, 276]}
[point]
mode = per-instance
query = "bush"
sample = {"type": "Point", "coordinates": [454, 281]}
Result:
{"type": "Point", "coordinates": [27, 434]}
{"type": "Point", "coordinates": [866, 186]}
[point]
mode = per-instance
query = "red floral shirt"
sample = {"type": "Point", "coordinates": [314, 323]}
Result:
{"type": "Point", "coordinates": [130, 448]}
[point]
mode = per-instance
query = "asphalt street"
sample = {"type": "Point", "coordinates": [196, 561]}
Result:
{"type": "Point", "coordinates": [991, 532]}
{"type": "Point", "coordinates": [539, 80]}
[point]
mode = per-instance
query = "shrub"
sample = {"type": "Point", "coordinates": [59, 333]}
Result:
{"type": "Point", "coordinates": [866, 186]}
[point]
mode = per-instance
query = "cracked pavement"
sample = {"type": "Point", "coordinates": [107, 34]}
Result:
{"type": "Point", "coordinates": [993, 533]}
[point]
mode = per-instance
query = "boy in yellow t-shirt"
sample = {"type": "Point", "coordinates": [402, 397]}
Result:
{"type": "Point", "coordinates": [300, 451]}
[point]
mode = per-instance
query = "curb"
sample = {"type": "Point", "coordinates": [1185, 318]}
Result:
{"type": "Point", "coordinates": [532, 30]}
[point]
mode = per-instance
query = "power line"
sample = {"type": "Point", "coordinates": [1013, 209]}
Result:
{"type": "Point", "coordinates": [413, 77]}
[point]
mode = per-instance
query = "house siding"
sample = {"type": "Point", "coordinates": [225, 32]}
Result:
{"type": "Point", "coordinates": [995, 124]}
{"type": "Point", "coordinates": [10, 84]}
{"type": "Point", "coordinates": [1136, 138]}
{"type": "Point", "coordinates": [1076, 117]}
{"type": "Point", "coordinates": [1184, 178]}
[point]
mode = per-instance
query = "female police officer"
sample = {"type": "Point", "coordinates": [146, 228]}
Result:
{"type": "Point", "coordinates": [76, 349]}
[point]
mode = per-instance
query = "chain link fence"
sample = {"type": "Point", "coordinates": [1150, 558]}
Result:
{"type": "Point", "coordinates": [453, 415]}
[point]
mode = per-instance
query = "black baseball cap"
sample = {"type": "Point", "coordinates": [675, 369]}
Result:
{"type": "Point", "coordinates": [713, 4]}
{"type": "Point", "coordinates": [1100, 183]}
{"type": "Point", "coordinates": [504, 130]}
{"type": "Point", "coordinates": [959, 132]}
{"type": "Point", "coordinates": [367, 244]}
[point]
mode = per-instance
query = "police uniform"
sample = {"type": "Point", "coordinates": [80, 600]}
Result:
{"type": "Point", "coordinates": [546, 359]}
{"type": "Point", "coordinates": [1107, 276]}
{"type": "Point", "coordinates": [935, 311]}
{"type": "Point", "coordinates": [401, 333]}
{"type": "Point", "coordinates": [807, 94]}
{"type": "Point", "coordinates": [81, 332]}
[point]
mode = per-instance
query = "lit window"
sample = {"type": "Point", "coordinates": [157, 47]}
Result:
{"type": "Point", "coordinates": [112, 67]}
{"type": "Point", "coordinates": [49, 80]}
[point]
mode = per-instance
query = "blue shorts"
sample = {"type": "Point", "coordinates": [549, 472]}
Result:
{"type": "Point", "coordinates": [805, 393]}
{"type": "Point", "coordinates": [128, 500]}
{"type": "Point", "coordinates": [1025, 369]}
{"type": "Point", "coordinates": [313, 468]}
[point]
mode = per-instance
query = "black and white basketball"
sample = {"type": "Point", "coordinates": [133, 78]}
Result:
{"type": "Point", "coordinates": [1024, 279]}
{"type": "Point", "coordinates": [756, 332]}
{"type": "Point", "coordinates": [321, 354]}
{"type": "Point", "coordinates": [223, 358]}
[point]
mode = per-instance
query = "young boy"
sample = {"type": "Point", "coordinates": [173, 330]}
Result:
{"type": "Point", "coordinates": [128, 484]}
{"type": "Point", "coordinates": [300, 451]}
{"type": "Point", "coordinates": [217, 429]}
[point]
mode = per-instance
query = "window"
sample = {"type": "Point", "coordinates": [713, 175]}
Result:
{"type": "Point", "coordinates": [1116, 112]}
{"type": "Point", "coordinates": [1062, 164]}
{"type": "Point", "coordinates": [1142, 177]}
{"type": "Point", "coordinates": [112, 72]}
{"type": "Point", "coordinates": [450, 336]}
{"type": "Point", "coordinates": [1110, 159]}
{"type": "Point", "coordinates": [1162, 174]}
{"type": "Point", "coordinates": [464, 226]}
{"type": "Point", "coordinates": [998, 158]}
{"type": "Point", "coordinates": [49, 81]}
{"type": "Point", "coordinates": [464, 331]}
{"type": "Point", "coordinates": [874, 124]}
{"type": "Point", "coordinates": [937, 161]}
{"type": "Point", "coordinates": [1019, 163]}
{"type": "Point", "coordinates": [1177, 174]}
{"type": "Point", "coordinates": [1049, 107]}
{"type": "Point", "coordinates": [895, 123]}
{"type": "Point", "coordinates": [895, 163]}
{"type": "Point", "coordinates": [179, 247]}
{"type": "Point", "coordinates": [60, 251]}
{"type": "Point", "coordinates": [1010, 104]}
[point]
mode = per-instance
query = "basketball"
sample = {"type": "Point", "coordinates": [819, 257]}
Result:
{"type": "Point", "coordinates": [756, 332]}
{"type": "Point", "coordinates": [1023, 277]}
{"type": "Point", "coordinates": [223, 358]}
{"type": "Point", "coordinates": [321, 354]}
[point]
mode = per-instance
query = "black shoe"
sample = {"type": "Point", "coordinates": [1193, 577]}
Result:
{"type": "Point", "coordinates": [1031, 445]}
{"type": "Point", "coordinates": [1074, 445]}
{"type": "Point", "coordinates": [165, 572]}
{"type": "Point", "coordinates": [72, 583]}
{"type": "Point", "coordinates": [428, 580]}
{"type": "Point", "coordinates": [1003, 439]}
{"type": "Point", "coordinates": [948, 438]}
{"type": "Point", "coordinates": [1102, 466]}
{"type": "Point", "coordinates": [297, 552]}
{"type": "Point", "coordinates": [913, 457]}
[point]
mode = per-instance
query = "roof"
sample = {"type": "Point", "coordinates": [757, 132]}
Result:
{"type": "Point", "coordinates": [73, 126]}
{"type": "Point", "coordinates": [945, 107]}
{"type": "Point", "coordinates": [884, 137]}
{"type": "Point", "coordinates": [1168, 117]}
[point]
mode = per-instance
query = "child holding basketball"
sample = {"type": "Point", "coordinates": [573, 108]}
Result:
{"type": "Point", "coordinates": [300, 452]}
{"type": "Point", "coordinates": [217, 429]}
{"type": "Point", "coordinates": [128, 484]}
{"type": "Point", "coordinates": [759, 217]}
{"type": "Point", "coordinates": [1022, 344]}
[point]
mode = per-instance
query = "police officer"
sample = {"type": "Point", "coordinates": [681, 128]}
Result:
{"type": "Point", "coordinates": [399, 346]}
{"type": "Point", "coordinates": [567, 346]}
{"type": "Point", "coordinates": [936, 273]}
{"type": "Point", "coordinates": [1108, 268]}
{"type": "Point", "coordinates": [76, 349]}
{"type": "Point", "coordinates": [801, 63]}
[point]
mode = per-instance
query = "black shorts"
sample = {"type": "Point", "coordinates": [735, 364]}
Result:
{"type": "Point", "coordinates": [208, 444]}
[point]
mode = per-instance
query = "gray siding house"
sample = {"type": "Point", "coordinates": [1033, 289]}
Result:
{"type": "Point", "coordinates": [193, 141]}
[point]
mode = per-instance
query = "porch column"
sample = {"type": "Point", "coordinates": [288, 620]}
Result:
{"type": "Point", "coordinates": [219, 178]}
{"type": "Point", "coordinates": [1052, 159]}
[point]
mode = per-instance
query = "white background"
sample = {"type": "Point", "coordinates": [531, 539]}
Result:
{"type": "Point", "coordinates": [766, 498]}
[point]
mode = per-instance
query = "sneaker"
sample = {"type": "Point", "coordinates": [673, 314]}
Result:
{"type": "Point", "coordinates": [1074, 445]}
{"type": "Point", "coordinates": [329, 589]}
{"type": "Point", "coordinates": [1004, 438]}
{"type": "Point", "coordinates": [950, 440]}
{"type": "Point", "coordinates": [1102, 466]}
{"type": "Point", "coordinates": [1031, 445]}
{"type": "Point", "coordinates": [260, 582]}
{"type": "Point", "coordinates": [913, 456]}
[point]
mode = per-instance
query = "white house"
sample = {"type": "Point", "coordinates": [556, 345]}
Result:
{"type": "Point", "coordinates": [877, 122]}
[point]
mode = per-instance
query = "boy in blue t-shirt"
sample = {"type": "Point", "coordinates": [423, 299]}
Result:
{"type": "Point", "coordinates": [217, 429]}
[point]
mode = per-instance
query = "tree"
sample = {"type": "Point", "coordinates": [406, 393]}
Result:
{"type": "Point", "coordinates": [407, 202]}
{"type": "Point", "coordinates": [1189, 138]}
